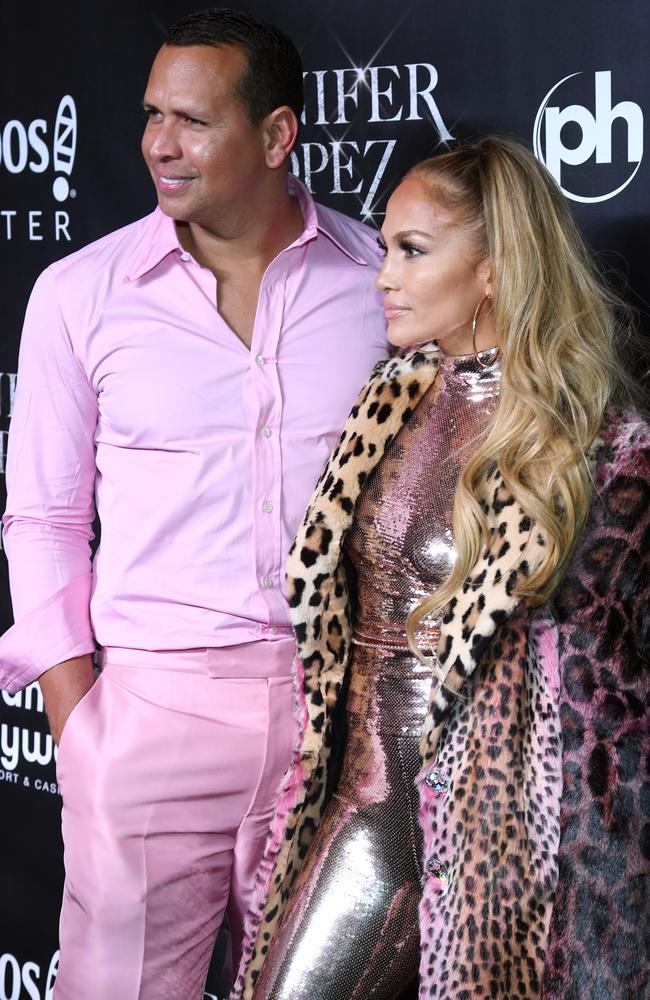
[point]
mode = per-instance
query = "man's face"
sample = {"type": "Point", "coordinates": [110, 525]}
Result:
{"type": "Point", "coordinates": [202, 150]}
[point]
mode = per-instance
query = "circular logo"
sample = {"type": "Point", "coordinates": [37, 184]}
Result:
{"type": "Point", "coordinates": [572, 136]}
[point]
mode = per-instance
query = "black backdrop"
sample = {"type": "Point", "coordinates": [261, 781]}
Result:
{"type": "Point", "coordinates": [385, 82]}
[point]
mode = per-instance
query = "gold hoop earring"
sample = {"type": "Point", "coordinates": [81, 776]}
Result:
{"type": "Point", "coordinates": [493, 352]}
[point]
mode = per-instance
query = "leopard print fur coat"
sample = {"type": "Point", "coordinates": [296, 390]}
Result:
{"type": "Point", "coordinates": [533, 801]}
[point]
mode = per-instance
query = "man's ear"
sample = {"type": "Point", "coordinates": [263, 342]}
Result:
{"type": "Point", "coordinates": [280, 131]}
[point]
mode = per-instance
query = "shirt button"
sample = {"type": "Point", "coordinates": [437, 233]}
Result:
{"type": "Point", "coordinates": [266, 432]}
{"type": "Point", "coordinates": [267, 507]}
{"type": "Point", "coordinates": [185, 256]}
{"type": "Point", "coordinates": [267, 582]}
{"type": "Point", "coordinates": [259, 360]}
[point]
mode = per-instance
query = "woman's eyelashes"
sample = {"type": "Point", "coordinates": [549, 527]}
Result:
{"type": "Point", "coordinates": [408, 248]}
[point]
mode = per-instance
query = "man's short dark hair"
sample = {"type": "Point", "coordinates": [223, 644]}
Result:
{"type": "Point", "coordinates": [273, 76]}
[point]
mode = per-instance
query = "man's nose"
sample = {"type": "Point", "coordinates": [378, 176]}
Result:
{"type": "Point", "coordinates": [164, 143]}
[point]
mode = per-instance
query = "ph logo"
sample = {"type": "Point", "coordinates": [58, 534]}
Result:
{"type": "Point", "coordinates": [593, 134]}
{"type": "Point", "coordinates": [25, 146]}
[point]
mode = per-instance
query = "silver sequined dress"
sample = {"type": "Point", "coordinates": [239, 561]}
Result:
{"type": "Point", "coordinates": [351, 927]}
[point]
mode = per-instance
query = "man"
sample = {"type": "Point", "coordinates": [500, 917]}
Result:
{"type": "Point", "coordinates": [188, 374]}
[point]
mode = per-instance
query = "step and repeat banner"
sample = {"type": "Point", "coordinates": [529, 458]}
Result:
{"type": "Point", "coordinates": [385, 85]}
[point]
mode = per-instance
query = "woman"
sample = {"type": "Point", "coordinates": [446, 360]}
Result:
{"type": "Point", "coordinates": [491, 501]}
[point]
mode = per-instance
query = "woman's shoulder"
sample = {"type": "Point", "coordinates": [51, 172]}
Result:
{"type": "Point", "coordinates": [622, 448]}
{"type": "Point", "coordinates": [606, 589]}
{"type": "Point", "coordinates": [618, 522]}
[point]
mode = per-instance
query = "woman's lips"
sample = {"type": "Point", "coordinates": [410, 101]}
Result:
{"type": "Point", "coordinates": [392, 312]}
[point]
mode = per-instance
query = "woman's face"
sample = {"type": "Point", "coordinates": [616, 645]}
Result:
{"type": "Point", "coordinates": [431, 282]}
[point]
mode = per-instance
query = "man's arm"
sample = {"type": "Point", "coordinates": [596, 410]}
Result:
{"type": "Point", "coordinates": [63, 686]}
{"type": "Point", "coordinates": [50, 509]}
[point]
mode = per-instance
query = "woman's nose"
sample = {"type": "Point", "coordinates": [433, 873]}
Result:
{"type": "Point", "coordinates": [385, 280]}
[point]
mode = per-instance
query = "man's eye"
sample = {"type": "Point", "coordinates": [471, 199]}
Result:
{"type": "Point", "coordinates": [195, 121]}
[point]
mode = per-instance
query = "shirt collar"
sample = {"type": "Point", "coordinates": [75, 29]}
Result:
{"type": "Point", "coordinates": [318, 219]}
{"type": "Point", "coordinates": [160, 238]}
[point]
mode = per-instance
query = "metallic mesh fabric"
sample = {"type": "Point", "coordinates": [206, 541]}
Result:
{"type": "Point", "coordinates": [350, 931]}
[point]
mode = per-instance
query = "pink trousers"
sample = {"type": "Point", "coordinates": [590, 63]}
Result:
{"type": "Point", "coordinates": [168, 769]}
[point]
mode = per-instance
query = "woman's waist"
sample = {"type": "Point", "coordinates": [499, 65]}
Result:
{"type": "Point", "coordinates": [389, 633]}
{"type": "Point", "coordinates": [388, 691]}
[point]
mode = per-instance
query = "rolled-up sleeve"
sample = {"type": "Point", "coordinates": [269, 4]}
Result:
{"type": "Point", "coordinates": [50, 496]}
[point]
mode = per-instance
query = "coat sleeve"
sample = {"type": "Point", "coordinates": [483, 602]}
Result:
{"type": "Point", "coordinates": [50, 497]}
{"type": "Point", "coordinates": [600, 913]}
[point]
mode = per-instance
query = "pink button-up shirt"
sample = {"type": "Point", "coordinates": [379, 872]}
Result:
{"type": "Point", "coordinates": [135, 396]}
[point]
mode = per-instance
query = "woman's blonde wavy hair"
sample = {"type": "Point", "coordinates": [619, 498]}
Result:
{"type": "Point", "coordinates": [556, 326]}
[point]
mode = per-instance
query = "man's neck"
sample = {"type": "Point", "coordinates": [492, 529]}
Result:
{"type": "Point", "coordinates": [247, 238]}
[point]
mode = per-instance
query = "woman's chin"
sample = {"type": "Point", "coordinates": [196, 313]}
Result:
{"type": "Point", "coordinates": [405, 340]}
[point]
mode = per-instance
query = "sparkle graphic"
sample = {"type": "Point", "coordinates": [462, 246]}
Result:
{"type": "Point", "coordinates": [368, 204]}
